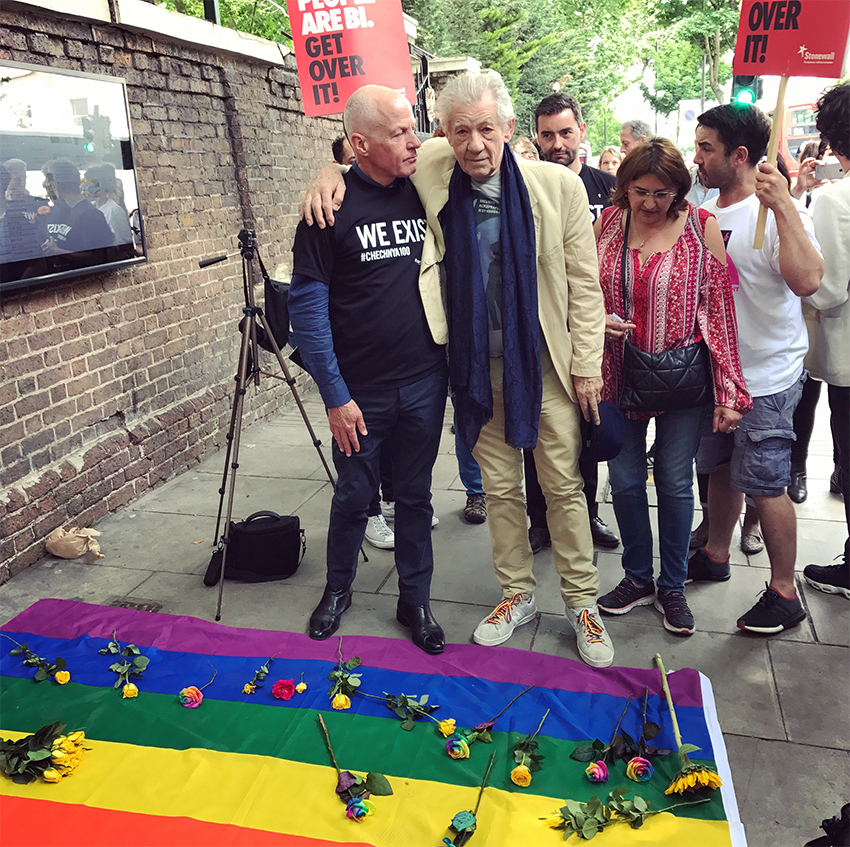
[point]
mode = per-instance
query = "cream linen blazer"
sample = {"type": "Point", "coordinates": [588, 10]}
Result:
{"type": "Point", "coordinates": [570, 302]}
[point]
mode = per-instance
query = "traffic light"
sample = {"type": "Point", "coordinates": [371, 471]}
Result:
{"type": "Point", "coordinates": [88, 134]}
{"type": "Point", "coordinates": [746, 89]}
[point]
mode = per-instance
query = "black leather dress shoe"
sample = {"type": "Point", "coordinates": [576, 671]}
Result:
{"type": "Point", "coordinates": [425, 632]}
{"type": "Point", "coordinates": [602, 535]}
{"type": "Point", "coordinates": [324, 621]}
{"type": "Point", "coordinates": [798, 491]}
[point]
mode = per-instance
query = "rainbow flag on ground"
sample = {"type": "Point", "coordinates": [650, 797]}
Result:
{"type": "Point", "coordinates": [252, 770]}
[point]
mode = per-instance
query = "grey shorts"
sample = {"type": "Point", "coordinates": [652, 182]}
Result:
{"type": "Point", "coordinates": [759, 451]}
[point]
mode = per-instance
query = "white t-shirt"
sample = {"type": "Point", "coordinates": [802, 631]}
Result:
{"type": "Point", "coordinates": [771, 332]}
{"type": "Point", "coordinates": [118, 222]}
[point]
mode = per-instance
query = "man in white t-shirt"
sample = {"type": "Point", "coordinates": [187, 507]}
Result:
{"type": "Point", "coordinates": [756, 460]}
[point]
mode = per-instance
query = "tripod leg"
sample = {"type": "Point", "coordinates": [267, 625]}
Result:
{"type": "Point", "coordinates": [229, 439]}
{"type": "Point", "coordinates": [290, 381]}
{"type": "Point", "coordinates": [236, 431]}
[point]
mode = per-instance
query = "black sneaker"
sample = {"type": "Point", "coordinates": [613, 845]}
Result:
{"type": "Point", "coordinates": [626, 596]}
{"type": "Point", "coordinates": [678, 618]}
{"type": "Point", "coordinates": [832, 579]}
{"type": "Point", "coordinates": [772, 613]}
{"type": "Point", "coordinates": [702, 568]}
{"type": "Point", "coordinates": [538, 538]}
{"type": "Point", "coordinates": [835, 481]}
{"type": "Point", "coordinates": [475, 510]}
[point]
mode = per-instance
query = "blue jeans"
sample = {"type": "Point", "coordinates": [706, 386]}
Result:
{"type": "Point", "coordinates": [470, 473]}
{"type": "Point", "coordinates": [677, 436]}
{"type": "Point", "coordinates": [409, 421]}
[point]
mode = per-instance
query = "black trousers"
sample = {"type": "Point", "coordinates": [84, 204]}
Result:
{"type": "Point", "coordinates": [839, 421]}
{"type": "Point", "coordinates": [535, 502]}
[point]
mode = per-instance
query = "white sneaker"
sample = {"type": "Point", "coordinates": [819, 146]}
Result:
{"type": "Point", "coordinates": [594, 643]}
{"type": "Point", "coordinates": [378, 534]}
{"type": "Point", "coordinates": [498, 627]}
{"type": "Point", "coordinates": [388, 511]}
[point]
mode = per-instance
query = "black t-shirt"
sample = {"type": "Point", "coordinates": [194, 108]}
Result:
{"type": "Point", "coordinates": [370, 258]}
{"type": "Point", "coordinates": [598, 185]}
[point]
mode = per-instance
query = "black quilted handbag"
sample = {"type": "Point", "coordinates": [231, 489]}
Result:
{"type": "Point", "coordinates": [667, 381]}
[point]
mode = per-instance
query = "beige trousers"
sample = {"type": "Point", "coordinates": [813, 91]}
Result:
{"type": "Point", "coordinates": [556, 457]}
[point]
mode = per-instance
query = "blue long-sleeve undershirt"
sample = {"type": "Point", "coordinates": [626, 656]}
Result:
{"type": "Point", "coordinates": [311, 324]}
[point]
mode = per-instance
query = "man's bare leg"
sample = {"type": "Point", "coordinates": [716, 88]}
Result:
{"type": "Point", "coordinates": [779, 528]}
{"type": "Point", "coordinates": [724, 509]}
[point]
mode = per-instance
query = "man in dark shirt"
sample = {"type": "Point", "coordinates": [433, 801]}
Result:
{"type": "Point", "coordinates": [363, 334]}
{"type": "Point", "coordinates": [560, 129]}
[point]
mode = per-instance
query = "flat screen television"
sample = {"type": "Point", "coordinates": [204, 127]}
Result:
{"type": "Point", "coordinates": [69, 197]}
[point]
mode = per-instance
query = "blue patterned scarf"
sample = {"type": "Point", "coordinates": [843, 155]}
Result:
{"type": "Point", "coordinates": [469, 356]}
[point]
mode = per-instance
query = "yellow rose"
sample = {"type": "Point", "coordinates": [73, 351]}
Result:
{"type": "Point", "coordinates": [58, 756]}
{"type": "Point", "coordinates": [521, 776]}
{"type": "Point", "coordinates": [64, 744]}
{"type": "Point", "coordinates": [51, 775]}
{"type": "Point", "coordinates": [340, 702]}
{"type": "Point", "coordinates": [130, 690]}
{"type": "Point", "coordinates": [447, 727]}
{"type": "Point", "coordinates": [249, 688]}
{"type": "Point", "coordinates": [77, 737]}
{"type": "Point", "coordinates": [301, 687]}
{"type": "Point", "coordinates": [62, 677]}
{"type": "Point", "coordinates": [555, 820]}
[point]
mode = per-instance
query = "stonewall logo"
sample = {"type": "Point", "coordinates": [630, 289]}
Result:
{"type": "Point", "coordinates": [815, 58]}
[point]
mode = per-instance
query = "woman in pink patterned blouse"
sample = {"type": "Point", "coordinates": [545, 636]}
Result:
{"type": "Point", "coordinates": [678, 293]}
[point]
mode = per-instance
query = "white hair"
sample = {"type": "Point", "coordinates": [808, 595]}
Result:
{"type": "Point", "coordinates": [469, 88]}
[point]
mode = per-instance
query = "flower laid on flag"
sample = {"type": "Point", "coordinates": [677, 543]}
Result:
{"type": "Point", "coordinates": [527, 757]}
{"type": "Point", "coordinates": [283, 689]}
{"type": "Point", "coordinates": [192, 696]}
{"type": "Point", "coordinates": [639, 769]}
{"type": "Point", "coordinates": [259, 675]}
{"type": "Point", "coordinates": [597, 772]}
{"type": "Point", "coordinates": [480, 732]}
{"type": "Point", "coordinates": [457, 747]}
{"type": "Point", "coordinates": [302, 686]}
{"type": "Point", "coordinates": [465, 823]}
{"type": "Point", "coordinates": [690, 776]}
{"type": "Point", "coordinates": [344, 682]}
{"type": "Point", "coordinates": [133, 664]}
{"type": "Point", "coordinates": [340, 702]}
{"type": "Point", "coordinates": [44, 669]}
{"type": "Point", "coordinates": [354, 790]}
{"type": "Point", "coordinates": [447, 727]}
{"type": "Point", "coordinates": [47, 754]}
{"type": "Point", "coordinates": [411, 709]}
{"type": "Point", "coordinates": [587, 820]}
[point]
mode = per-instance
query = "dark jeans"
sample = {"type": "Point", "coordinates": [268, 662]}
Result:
{"type": "Point", "coordinates": [385, 490]}
{"type": "Point", "coordinates": [839, 421]}
{"type": "Point", "coordinates": [409, 421]}
{"type": "Point", "coordinates": [535, 502]}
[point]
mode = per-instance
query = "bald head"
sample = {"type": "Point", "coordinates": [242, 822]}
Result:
{"type": "Point", "coordinates": [380, 128]}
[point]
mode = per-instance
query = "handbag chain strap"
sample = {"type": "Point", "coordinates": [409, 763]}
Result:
{"type": "Point", "coordinates": [626, 263]}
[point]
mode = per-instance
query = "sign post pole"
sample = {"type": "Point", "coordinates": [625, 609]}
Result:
{"type": "Point", "coordinates": [776, 131]}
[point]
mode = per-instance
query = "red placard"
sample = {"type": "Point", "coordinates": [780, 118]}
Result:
{"type": "Point", "coordinates": [792, 37]}
{"type": "Point", "coordinates": [341, 45]}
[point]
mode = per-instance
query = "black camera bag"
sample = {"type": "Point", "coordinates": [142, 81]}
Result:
{"type": "Point", "coordinates": [262, 548]}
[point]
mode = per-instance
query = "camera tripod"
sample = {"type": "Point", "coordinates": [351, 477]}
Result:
{"type": "Point", "coordinates": [253, 325]}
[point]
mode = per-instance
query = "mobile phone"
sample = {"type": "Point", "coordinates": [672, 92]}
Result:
{"type": "Point", "coordinates": [829, 170]}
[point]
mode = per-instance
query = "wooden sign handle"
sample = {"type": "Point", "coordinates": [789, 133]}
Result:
{"type": "Point", "coordinates": [772, 149]}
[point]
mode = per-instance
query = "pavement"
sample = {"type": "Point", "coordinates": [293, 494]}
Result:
{"type": "Point", "coordinates": [782, 701]}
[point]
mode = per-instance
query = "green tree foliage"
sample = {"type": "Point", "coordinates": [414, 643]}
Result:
{"type": "Point", "coordinates": [258, 17]}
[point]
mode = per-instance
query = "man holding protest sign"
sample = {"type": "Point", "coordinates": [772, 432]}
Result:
{"type": "Point", "coordinates": [730, 141]}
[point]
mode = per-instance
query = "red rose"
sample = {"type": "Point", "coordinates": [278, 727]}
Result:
{"type": "Point", "coordinates": [283, 689]}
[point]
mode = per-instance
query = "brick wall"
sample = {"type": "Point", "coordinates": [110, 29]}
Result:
{"type": "Point", "coordinates": [112, 383]}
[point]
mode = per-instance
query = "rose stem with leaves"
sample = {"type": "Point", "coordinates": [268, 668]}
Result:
{"type": "Point", "coordinates": [328, 742]}
{"type": "Point", "coordinates": [659, 662]}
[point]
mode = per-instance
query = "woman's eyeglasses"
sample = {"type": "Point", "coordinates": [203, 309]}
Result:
{"type": "Point", "coordinates": [658, 196]}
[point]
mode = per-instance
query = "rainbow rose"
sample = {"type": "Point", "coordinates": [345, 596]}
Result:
{"type": "Point", "coordinates": [639, 769]}
{"type": "Point", "coordinates": [457, 747]}
{"type": "Point", "coordinates": [191, 697]}
{"type": "Point", "coordinates": [357, 809]}
{"type": "Point", "coordinates": [597, 772]}
{"type": "Point", "coordinates": [283, 689]}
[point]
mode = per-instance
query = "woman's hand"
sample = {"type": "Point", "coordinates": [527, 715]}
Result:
{"type": "Point", "coordinates": [617, 328]}
{"type": "Point", "coordinates": [725, 419]}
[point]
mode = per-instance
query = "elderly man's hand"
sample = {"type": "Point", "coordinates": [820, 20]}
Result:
{"type": "Point", "coordinates": [323, 197]}
{"type": "Point", "coordinates": [345, 422]}
{"type": "Point", "coordinates": [589, 391]}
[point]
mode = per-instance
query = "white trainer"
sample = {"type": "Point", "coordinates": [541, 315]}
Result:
{"type": "Point", "coordinates": [378, 534]}
{"type": "Point", "coordinates": [594, 643]}
{"type": "Point", "coordinates": [498, 627]}
{"type": "Point", "coordinates": [388, 511]}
